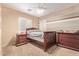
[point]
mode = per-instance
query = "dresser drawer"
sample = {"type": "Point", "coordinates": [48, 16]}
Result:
{"type": "Point", "coordinates": [21, 39]}
{"type": "Point", "coordinates": [69, 39]}
{"type": "Point", "coordinates": [70, 44]}
{"type": "Point", "coordinates": [69, 36]}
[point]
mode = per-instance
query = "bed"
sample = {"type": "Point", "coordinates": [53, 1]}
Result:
{"type": "Point", "coordinates": [44, 39]}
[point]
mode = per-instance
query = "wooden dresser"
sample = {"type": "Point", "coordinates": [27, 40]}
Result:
{"type": "Point", "coordinates": [21, 39]}
{"type": "Point", "coordinates": [68, 40]}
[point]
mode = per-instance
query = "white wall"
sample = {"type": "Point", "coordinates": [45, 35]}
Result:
{"type": "Point", "coordinates": [65, 24]}
{"type": "Point", "coordinates": [0, 32]}
{"type": "Point", "coordinates": [42, 25]}
{"type": "Point", "coordinates": [55, 23]}
{"type": "Point", "coordinates": [10, 24]}
{"type": "Point", "coordinates": [24, 23]}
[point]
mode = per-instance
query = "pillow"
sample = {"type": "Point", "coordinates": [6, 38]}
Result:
{"type": "Point", "coordinates": [37, 34]}
{"type": "Point", "coordinates": [29, 31]}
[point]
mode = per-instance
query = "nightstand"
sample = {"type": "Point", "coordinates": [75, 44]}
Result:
{"type": "Point", "coordinates": [21, 39]}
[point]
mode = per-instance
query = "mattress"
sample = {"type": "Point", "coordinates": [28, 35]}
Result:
{"type": "Point", "coordinates": [38, 38]}
{"type": "Point", "coordinates": [36, 35]}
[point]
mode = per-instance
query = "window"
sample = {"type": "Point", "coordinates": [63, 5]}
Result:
{"type": "Point", "coordinates": [24, 23]}
{"type": "Point", "coordinates": [28, 23]}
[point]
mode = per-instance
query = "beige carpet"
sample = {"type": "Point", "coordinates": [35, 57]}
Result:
{"type": "Point", "coordinates": [32, 50]}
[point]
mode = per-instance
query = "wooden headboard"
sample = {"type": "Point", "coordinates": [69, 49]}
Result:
{"type": "Point", "coordinates": [31, 28]}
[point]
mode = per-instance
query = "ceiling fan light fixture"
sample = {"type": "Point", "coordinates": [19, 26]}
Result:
{"type": "Point", "coordinates": [40, 11]}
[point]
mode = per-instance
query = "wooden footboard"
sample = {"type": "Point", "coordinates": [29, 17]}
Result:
{"type": "Point", "coordinates": [49, 39]}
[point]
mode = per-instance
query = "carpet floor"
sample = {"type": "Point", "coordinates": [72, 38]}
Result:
{"type": "Point", "coordinates": [32, 50]}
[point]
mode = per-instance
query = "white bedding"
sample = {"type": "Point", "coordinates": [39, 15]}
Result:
{"type": "Point", "coordinates": [36, 35]}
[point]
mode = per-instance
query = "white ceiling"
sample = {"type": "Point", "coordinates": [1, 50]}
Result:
{"type": "Point", "coordinates": [50, 7]}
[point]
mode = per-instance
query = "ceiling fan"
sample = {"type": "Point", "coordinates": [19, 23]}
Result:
{"type": "Point", "coordinates": [42, 6]}
{"type": "Point", "coordinates": [40, 9]}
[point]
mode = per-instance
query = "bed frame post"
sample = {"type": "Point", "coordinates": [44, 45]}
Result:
{"type": "Point", "coordinates": [49, 39]}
